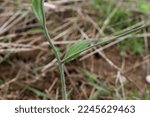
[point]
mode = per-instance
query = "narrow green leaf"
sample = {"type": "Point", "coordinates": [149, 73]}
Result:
{"type": "Point", "coordinates": [34, 90]}
{"type": "Point", "coordinates": [90, 76]}
{"type": "Point", "coordinates": [76, 48]}
{"type": "Point", "coordinates": [37, 6]}
{"type": "Point", "coordinates": [101, 89]}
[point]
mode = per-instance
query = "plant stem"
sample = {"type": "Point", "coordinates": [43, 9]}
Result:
{"type": "Point", "coordinates": [60, 64]}
{"type": "Point", "coordinates": [63, 84]}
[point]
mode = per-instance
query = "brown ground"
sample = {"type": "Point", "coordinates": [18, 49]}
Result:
{"type": "Point", "coordinates": [25, 69]}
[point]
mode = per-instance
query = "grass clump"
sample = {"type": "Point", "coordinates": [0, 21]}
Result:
{"type": "Point", "coordinates": [115, 18]}
{"type": "Point", "coordinates": [133, 45]}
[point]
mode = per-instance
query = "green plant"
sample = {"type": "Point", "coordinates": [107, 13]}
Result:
{"type": "Point", "coordinates": [74, 50]}
{"type": "Point", "coordinates": [38, 9]}
{"type": "Point", "coordinates": [134, 44]}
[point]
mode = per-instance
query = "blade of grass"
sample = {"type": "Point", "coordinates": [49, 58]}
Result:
{"type": "Point", "coordinates": [34, 90]}
{"type": "Point", "coordinates": [100, 89]}
{"type": "Point", "coordinates": [5, 58]}
{"type": "Point", "coordinates": [93, 81]}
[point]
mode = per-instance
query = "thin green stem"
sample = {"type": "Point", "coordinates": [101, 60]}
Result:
{"type": "Point", "coordinates": [61, 69]}
{"type": "Point", "coordinates": [60, 64]}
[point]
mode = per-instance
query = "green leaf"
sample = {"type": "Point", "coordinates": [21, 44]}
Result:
{"type": "Point", "coordinates": [37, 6]}
{"type": "Point", "coordinates": [74, 50]}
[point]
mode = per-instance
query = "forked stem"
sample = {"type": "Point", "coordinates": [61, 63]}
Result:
{"type": "Point", "coordinates": [60, 64]}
